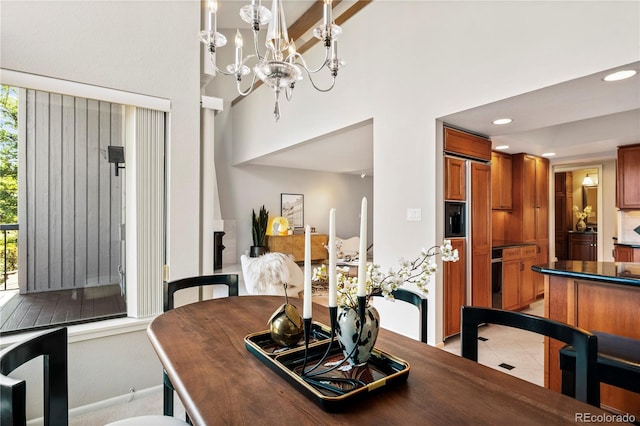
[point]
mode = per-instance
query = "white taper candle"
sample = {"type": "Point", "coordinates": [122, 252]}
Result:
{"type": "Point", "coordinates": [333, 279]}
{"type": "Point", "coordinates": [362, 253]}
{"type": "Point", "coordinates": [306, 311]}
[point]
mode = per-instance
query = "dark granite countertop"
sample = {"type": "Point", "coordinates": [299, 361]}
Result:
{"type": "Point", "coordinates": [608, 272]}
{"type": "Point", "coordinates": [622, 243]}
{"type": "Point", "coordinates": [506, 244]}
{"type": "Point", "coordinates": [583, 232]}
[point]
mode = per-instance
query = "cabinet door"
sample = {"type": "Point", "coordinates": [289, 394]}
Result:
{"type": "Point", "coordinates": [529, 223]}
{"type": "Point", "coordinates": [510, 284]}
{"type": "Point", "coordinates": [480, 235]}
{"type": "Point", "coordinates": [542, 258]}
{"type": "Point", "coordinates": [454, 179]}
{"type": "Point", "coordinates": [628, 176]}
{"type": "Point", "coordinates": [528, 289]}
{"type": "Point", "coordinates": [582, 247]}
{"type": "Point", "coordinates": [501, 182]}
{"type": "Point", "coordinates": [542, 199]}
{"type": "Point", "coordinates": [623, 254]}
{"type": "Point", "coordinates": [455, 289]}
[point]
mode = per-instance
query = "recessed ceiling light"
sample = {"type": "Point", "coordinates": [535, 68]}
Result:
{"type": "Point", "coordinates": [500, 121]}
{"type": "Point", "coordinates": [620, 75]}
{"type": "Point", "coordinates": [548, 154]}
{"type": "Point", "coordinates": [502, 147]}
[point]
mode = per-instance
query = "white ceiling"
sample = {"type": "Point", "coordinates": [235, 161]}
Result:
{"type": "Point", "coordinates": [578, 118]}
{"type": "Point", "coordinates": [585, 117]}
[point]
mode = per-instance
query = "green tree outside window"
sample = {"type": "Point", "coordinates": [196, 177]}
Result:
{"type": "Point", "coordinates": [9, 173]}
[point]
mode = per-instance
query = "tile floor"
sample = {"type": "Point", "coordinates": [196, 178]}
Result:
{"type": "Point", "coordinates": [522, 350]}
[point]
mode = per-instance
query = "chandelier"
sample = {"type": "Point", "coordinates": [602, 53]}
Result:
{"type": "Point", "coordinates": [280, 67]}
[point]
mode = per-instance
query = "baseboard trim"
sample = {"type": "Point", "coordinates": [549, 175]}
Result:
{"type": "Point", "coordinates": [105, 403]}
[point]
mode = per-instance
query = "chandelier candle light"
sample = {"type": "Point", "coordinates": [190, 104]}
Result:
{"type": "Point", "coordinates": [281, 66]}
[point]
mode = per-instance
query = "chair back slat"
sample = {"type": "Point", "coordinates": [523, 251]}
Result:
{"type": "Point", "coordinates": [52, 345]}
{"type": "Point", "coordinates": [230, 280]}
{"type": "Point", "coordinates": [417, 300]}
{"type": "Point", "coordinates": [169, 289]}
{"type": "Point", "coordinates": [584, 342]}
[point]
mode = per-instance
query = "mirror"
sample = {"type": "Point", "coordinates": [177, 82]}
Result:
{"type": "Point", "coordinates": [590, 198]}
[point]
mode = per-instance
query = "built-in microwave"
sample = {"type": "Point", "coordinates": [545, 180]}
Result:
{"type": "Point", "coordinates": [454, 215]}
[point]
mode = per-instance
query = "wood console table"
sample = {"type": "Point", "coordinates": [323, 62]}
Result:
{"type": "Point", "coordinates": [201, 346]}
{"type": "Point", "coordinates": [294, 245]}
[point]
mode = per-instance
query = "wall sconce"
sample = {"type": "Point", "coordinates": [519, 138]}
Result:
{"type": "Point", "coordinates": [116, 156]}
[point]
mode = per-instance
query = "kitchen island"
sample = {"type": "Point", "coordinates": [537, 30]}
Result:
{"type": "Point", "coordinates": [597, 296]}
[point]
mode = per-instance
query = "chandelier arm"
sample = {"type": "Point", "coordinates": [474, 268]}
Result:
{"type": "Point", "coordinates": [303, 63]}
{"type": "Point", "coordinates": [288, 91]}
{"type": "Point", "coordinates": [333, 83]}
{"type": "Point", "coordinates": [256, 45]}
{"type": "Point", "coordinates": [215, 67]}
{"type": "Point", "coordinates": [245, 93]}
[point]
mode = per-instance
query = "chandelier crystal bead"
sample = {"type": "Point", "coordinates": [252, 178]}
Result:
{"type": "Point", "coordinates": [281, 66]}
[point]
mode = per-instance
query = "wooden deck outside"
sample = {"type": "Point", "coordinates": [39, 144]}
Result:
{"type": "Point", "coordinates": [45, 309]}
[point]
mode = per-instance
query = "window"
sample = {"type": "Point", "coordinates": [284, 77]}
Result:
{"type": "Point", "coordinates": [72, 244]}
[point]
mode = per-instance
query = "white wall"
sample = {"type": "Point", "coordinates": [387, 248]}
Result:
{"type": "Point", "coordinates": [246, 187]}
{"type": "Point", "coordinates": [434, 59]}
{"type": "Point", "coordinates": [249, 187]}
{"type": "Point", "coordinates": [146, 47]}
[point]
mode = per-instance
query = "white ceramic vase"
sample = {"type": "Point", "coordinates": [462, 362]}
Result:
{"type": "Point", "coordinates": [357, 345]}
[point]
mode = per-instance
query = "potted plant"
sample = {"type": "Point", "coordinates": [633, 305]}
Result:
{"type": "Point", "coordinates": [259, 232]}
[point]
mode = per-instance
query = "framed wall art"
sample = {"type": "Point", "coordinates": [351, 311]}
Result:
{"type": "Point", "coordinates": [292, 208]}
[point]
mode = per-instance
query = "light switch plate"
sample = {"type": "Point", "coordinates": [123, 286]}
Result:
{"type": "Point", "coordinates": [414, 215]}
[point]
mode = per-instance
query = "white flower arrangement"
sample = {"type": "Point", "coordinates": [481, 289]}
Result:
{"type": "Point", "coordinates": [582, 214]}
{"type": "Point", "coordinates": [417, 271]}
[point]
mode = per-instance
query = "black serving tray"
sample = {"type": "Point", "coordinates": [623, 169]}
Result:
{"type": "Point", "coordinates": [263, 341]}
{"type": "Point", "coordinates": [328, 391]}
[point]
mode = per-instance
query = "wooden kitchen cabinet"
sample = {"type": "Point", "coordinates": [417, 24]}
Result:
{"type": "Point", "coordinates": [481, 235]}
{"type": "Point", "coordinates": [455, 288]}
{"type": "Point", "coordinates": [529, 218]}
{"type": "Point", "coordinates": [627, 177]}
{"type": "Point", "coordinates": [518, 279]}
{"type": "Point", "coordinates": [623, 253]}
{"type": "Point", "coordinates": [528, 278]}
{"type": "Point", "coordinates": [510, 283]}
{"type": "Point", "coordinates": [583, 246]}
{"type": "Point", "coordinates": [501, 184]}
{"type": "Point", "coordinates": [294, 245]}
{"type": "Point", "coordinates": [563, 184]}
{"type": "Point", "coordinates": [454, 179]}
{"type": "Point", "coordinates": [466, 144]}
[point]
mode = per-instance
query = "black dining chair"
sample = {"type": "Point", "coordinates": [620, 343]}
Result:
{"type": "Point", "coordinates": [52, 346]}
{"type": "Point", "coordinates": [618, 363]}
{"type": "Point", "coordinates": [230, 280]}
{"type": "Point", "coordinates": [584, 342]}
{"type": "Point", "coordinates": [417, 300]}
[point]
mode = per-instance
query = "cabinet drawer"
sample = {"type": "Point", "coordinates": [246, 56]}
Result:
{"type": "Point", "coordinates": [511, 253]}
{"type": "Point", "coordinates": [530, 251]}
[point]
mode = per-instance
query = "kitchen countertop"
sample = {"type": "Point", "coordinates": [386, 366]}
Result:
{"type": "Point", "coordinates": [622, 243]}
{"type": "Point", "coordinates": [506, 244]}
{"type": "Point", "coordinates": [607, 272]}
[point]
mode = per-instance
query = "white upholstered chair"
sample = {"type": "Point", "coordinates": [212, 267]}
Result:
{"type": "Point", "coordinates": [266, 274]}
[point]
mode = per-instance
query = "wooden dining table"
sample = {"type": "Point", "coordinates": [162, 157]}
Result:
{"type": "Point", "coordinates": [220, 382]}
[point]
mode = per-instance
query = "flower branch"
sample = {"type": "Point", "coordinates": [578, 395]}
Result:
{"type": "Point", "coordinates": [417, 271]}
